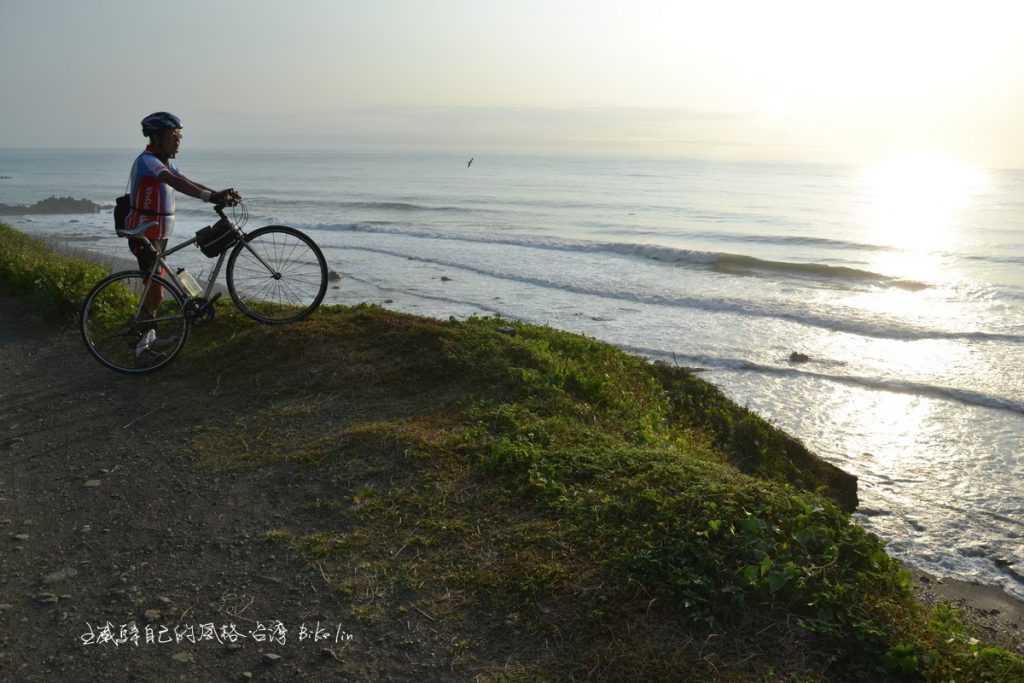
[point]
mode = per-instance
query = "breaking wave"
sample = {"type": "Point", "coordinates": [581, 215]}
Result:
{"type": "Point", "coordinates": [735, 264]}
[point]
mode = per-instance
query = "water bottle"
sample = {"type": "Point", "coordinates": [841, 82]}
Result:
{"type": "Point", "coordinates": [189, 283]}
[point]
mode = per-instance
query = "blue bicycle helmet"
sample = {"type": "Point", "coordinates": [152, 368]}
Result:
{"type": "Point", "coordinates": [158, 121]}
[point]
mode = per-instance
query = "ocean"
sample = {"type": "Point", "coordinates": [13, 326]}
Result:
{"type": "Point", "coordinates": [902, 283]}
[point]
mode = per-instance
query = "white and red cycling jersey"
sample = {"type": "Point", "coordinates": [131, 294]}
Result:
{"type": "Point", "coordinates": [152, 211]}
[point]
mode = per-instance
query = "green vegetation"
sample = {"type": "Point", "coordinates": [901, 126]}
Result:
{"type": "Point", "coordinates": [555, 508]}
{"type": "Point", "coordinates": [55, 284]}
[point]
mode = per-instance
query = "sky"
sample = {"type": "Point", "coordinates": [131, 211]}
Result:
{"type": "Point", "coordinates": [828, 81]}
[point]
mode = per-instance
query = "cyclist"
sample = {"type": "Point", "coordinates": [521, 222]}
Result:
{"type": "Point", "coordinates": [154, 178]}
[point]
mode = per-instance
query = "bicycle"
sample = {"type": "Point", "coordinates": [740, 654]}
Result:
{"type": "Point", "coordinates": [275, 275]}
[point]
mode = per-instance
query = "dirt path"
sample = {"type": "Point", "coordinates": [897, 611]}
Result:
{"type": "Point", "coordinates": [106, 517]}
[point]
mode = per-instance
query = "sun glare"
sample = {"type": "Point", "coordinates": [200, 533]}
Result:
{"type": "Point", "coordinates": [914, 205]}
{"type": "Point", "coordinates": [913, 202]}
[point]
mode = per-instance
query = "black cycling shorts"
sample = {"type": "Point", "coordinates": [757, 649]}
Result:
{"type": "Point", "coordinates": [144, 252]}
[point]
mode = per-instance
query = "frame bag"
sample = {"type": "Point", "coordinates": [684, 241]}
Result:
{"type": "Point", "coordinates": [214, 240]}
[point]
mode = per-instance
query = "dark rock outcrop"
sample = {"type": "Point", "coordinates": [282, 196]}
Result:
{"type": "Point", "coordinates": [51, 205]}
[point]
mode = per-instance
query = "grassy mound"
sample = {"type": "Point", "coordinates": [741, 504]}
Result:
{"type": "Point", "coordinates": [558, 509]}
{"type": "Point", "coordinates": [55, 284]}
{"type": "Point", "coordinates": [529, 483]}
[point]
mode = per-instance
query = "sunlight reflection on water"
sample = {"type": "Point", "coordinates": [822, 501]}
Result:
{"type": "Point", "coordinates": [915, 200]}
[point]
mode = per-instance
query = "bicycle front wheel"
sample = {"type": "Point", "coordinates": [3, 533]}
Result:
{"type": "Point", "coordinates": [277, 275]}
{"type": "Point", "coordinates": [128, 328]}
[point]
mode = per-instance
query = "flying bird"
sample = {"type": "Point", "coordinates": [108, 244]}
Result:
{"type": "Point", "coordinates": [470, 162]}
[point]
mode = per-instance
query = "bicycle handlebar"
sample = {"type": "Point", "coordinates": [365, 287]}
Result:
{"type": "Point", "coordinates": [219, 208]}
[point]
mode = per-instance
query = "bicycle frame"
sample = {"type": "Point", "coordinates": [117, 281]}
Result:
{"type": "Point", "coordinates": [160, 263]}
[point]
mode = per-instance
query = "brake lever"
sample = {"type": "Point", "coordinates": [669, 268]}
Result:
{"type": "Point", "coordinates": [219, 208]}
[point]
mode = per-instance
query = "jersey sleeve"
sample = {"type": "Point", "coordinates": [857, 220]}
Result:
{"type": "Point", "coordinates": [151, 166]}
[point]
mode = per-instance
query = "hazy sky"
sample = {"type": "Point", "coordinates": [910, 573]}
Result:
{"type": "Point", "coordinates": [824, 80]}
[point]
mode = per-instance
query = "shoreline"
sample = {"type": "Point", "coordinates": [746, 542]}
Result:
{"type": "Point", "coordinates": [65, 247]}
{"type": "Point", "coordinates": [993, 611]}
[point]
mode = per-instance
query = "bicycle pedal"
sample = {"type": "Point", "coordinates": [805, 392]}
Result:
{"type": "Point", "coordinates": [208, 305]}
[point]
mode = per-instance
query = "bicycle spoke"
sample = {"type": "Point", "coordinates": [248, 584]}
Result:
{"type": "Point", "coordinates": [117, 336]}
{"type": "Point", "coordinates": [285, 290]}
{"type": "Point", "coordinates": [304, 280]}
{"type": "Point", "coordinates": [267, 289]}
{"type": "Point", "coordinates": [294, 287]}
{"type": "Point", "coordinates": [288, 258]}
{"type": "Point", "coordinates": [309, 273]}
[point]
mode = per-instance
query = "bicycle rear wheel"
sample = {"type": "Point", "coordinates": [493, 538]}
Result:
{"type": "Point", "coordinates": [116, 328]}
{"type": "Point", "coordinates": [277, 275]}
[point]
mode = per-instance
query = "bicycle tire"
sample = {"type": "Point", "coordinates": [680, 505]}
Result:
{"type": "Point", "coordinates": [294, 289]}
{"type": "Point", "coordinates": [111, 330]}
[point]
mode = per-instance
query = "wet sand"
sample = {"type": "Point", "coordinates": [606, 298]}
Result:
{"type": "Point", "coordinates": [997, 615]}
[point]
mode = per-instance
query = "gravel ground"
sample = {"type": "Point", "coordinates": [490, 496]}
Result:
{"type": "Point", "coordinates": [105, 517]}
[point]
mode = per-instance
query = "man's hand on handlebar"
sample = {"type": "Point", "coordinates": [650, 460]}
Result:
{"type": "Point", "coordinates": [226, 197]}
